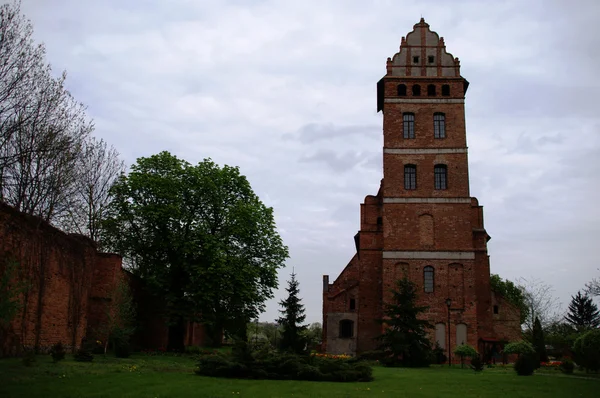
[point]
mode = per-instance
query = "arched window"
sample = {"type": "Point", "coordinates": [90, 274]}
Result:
{"type": "Point", "coordinates": [431, 90]}
{"type": "Point", "coordinates": [461, 334]}
{"type": "Point", "coordinates": [428, 279]}
{"type": "Point", "coordinates": [416, 89]}
{"type": "Point", "coordinates": [401, 90]}
{"type": "Point", "coordinates": [409, 125]}
{"type": "Point", "coordinates": [439, 125]}
{"type": "Point", "coordinates": [446, 90]}
{"type": "Point", "coordinates": [440, 334]}
{"type": "Point", "coordinates": [410, 176]}
{"type": "Point", "coordinates": [346, 329]}
{"type": "Point", "coordinates": [440, 172]}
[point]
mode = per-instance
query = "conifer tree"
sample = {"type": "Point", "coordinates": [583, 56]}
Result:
{"type": "Point", "coordinates": [405, 337]}
{"type": "Point", "coordinates": [583, 313]}
{"type": "Point", "coordinates": [538, 342]}
{"type": "Point", "coordinates": [292, 338]}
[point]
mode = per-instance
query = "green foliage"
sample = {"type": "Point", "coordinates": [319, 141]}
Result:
{"type": "Point", "coordinates": [465, 351]}
{"type": "Point", "coordinates": [293, 338]}
{"type": "Point", "coordinates": [57, 351]}
{"type": "Point", "coordinates": [313, 335]}
{"type": "Point", "coordinates": [199, 237]}
{"type": "Point", "coordinates": [83, 355]}
{"type": "Point", "coordinates": [476, 363]}
{"type": "Point", "coordinates": [538, 343]}
{"type": "Point", "coordinates": [121, 320]}
{"type": "Point", "coordinates": [405, 337]}
{"type": "Point", "coordinates": [567, 366]}
{"type": "Point", "coordinates": [520, 348]}
{"type": "Point", "coordinates": [29, 358]}
{"type": "Point", "coordinates": [439, 354]}
{"type": "Point", "coordinates": [586, 350]}
{"type": "Point", "coordinates": [525, 365]}
{"type": "Point", "coordinates": [11, 288]}
{"type": "Point", "coordinates": [374, 355]}
{"type": "Point", "coordinates": [583, 312]}
{"type": "Point", "coordinates": [512, 293]}
{"type": "Point", "coordinates": [561, 337]}
{"type": "Point", "coordinates": [284, 366]}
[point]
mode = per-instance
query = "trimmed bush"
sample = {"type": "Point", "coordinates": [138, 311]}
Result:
{"type": "Point", "coordinates": [284, 366]}
{"type": "Point", "coordinates": [519, 348]}
{"type": "Point", "coordinates": [525, 365]}
{"type": "Point", "coordinates": [57, 352]}
{"type": "Point", "coordinates": [465, 351]}
{"type": "Point", "coordinates": [477, 363]}
{"type": "Point", "coordinates": [567, 366]}
{"type": "Point", "coordinates": [586, 350]}
{"type": "Point", "coordinates": [83, 355]}
{"type": "Point", "coordinates": [29, 358]}
{"type": "Point", "coordinates": [375, 355]}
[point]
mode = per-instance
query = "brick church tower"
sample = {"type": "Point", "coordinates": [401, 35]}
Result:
{"type": "Point", "coordinates": [422, 224]}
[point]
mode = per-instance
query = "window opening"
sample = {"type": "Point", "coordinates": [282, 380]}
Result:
{"type": "Point", "coordinates": [445, 90]}
{"type": "Point", "coordinates": [401, 90]}
{"type": "Point", "coordinates": [410, 176]}
{"type": "Point", "coordinates": [440, 176]}
{"type": "Point", "coordinates": [409, 125]}
{"type": "Point", "coordinates": [428, 279]}
{"type": "Point", "coordinates": [439, 125]}
{"type": "Point", "coordinates": [416, 90]}
{"type": "Point", "coordinates": [346, 329]}
{"type": "Point", "coordinates": [431, 90]}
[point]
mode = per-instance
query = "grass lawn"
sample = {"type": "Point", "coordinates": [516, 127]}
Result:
{"type": "Point", "coordinates": [169, 376]}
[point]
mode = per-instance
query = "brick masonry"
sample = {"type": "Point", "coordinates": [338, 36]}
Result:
{"type": "Point", "coordinates": [405, 230]}
{"type": "Point", "coordinates": [69, 289]}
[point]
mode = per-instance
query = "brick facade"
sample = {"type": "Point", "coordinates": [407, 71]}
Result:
{"type": "Point", "coordinates": [69, 289]}
{"type": "Point", "coordinates": [409, 226]}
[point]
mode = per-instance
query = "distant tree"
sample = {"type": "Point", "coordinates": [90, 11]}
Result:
{"type": "Point", "coordinates": [541, 303]}
{"type": "Point", "coordinates": [201, 240]}
{"type": "Point", "coordinates": [583, 313]}
{"type": "Point", "coordinates": [405, 335]}
{"type": "Point", "coordinates": [512, 293]}
{"type": "Point", "coordinates": [538, 343]}
{"type": "Point", "coordinates": [292, 318]}
{"type": "Point", "coordinates": [593, 287]}
{"type": "Point", "coordinates": [314, 335]}
{"type": "Point", "coordinates": [560, 336]}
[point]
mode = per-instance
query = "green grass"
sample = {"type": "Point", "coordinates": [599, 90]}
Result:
{"type": "Point", "coordinates": [169, 376]}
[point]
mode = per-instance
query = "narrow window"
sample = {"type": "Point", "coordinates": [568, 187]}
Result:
{"type": "Point", "coordinates": [352, 304]}
{"type": "Point", "coordinates": [495, 309]}
{"type": "Point", "coordinates": [415, 59]}
{"type": "Point", "coordinates": [431, 90]}
{"type": "Point", "coordinates": [410, 176]}
{"type": "Point", "coordinates": [401, 90]}
{"type": "Point", "coordinates": [430, 59]}
{"type": "Point", "coordinates": [439, 125]}
{"type": "Point", "coordinates": [379, 221]}
{"type": "Point", "coordinates": [446, 90]}
{"type": "Point", "coordinates": [416, 89]}
{"type": "Point", "coordinates": [409, 125]}
{"type": "Point", "coordinates": [428, 279]}
{"type": "Point", "coordinates": [346, 329]}
{"type": "Point", "coordinates": [440, 172]}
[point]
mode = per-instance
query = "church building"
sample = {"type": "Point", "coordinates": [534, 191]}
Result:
{"type": "Point", "coordinates": [422, 224]}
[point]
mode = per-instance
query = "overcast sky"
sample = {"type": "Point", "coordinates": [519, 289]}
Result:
{"type": "Point", "coordinates": [286, 91]}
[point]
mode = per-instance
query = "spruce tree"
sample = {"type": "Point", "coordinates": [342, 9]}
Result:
{"type": "Point", "coordinates": [405, 337]}
{"type": "Point", "coordinates": [538, 342]}
{"type": "Point", "coordinates": [583, 313]}
{"type": "Point", "coordinates": [292, 337]}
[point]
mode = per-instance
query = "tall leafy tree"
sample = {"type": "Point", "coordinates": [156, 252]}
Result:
{"type": "Point", "coordinates": [512, 293]}
{"type": "Point", "coordinates": [292, 338]}
{"type": "Point", "coordinates": [200, 238]}
{"type": "Point", "coordinates": [405, 336]}
{"type": "Point", "coordinates": [583, 312]}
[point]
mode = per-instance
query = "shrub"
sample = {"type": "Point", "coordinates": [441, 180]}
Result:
{"type": "Point", "coordinates": [57, 352]}
{"type": "Point", "coordinates": [525, 365]}
{"type": "Point", "coordinates": [375, 355]}
{"type": "Point", "coordinates": [519, 348]}
{"type": "Point", "coordinates": [566, 366]}
{"type": "Point", "coordinates": [465, 351]}
{"type": "Point", "coordinates": [29, 358]}
{"type": "Point", "coordinates": [122, 349]}
{"type": "Point", "coordinates": [439, 355]}
{"type": "Point", "coordinates": [477, 363]}
{"type": "Point", "coordinates": [284, 366]}
{"type": "Point", "coordinates": [83, 355]}
{"type": "Point", "coordinates": [586, 350]}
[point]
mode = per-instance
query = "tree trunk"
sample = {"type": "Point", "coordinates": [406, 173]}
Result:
{"type": "Point", "coordinates": [176, 334]}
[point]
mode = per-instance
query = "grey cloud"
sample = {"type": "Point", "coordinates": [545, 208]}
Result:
{"type": "Point", "coordinates": [313, 132]}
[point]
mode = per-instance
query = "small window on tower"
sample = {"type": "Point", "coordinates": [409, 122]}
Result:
{"type": "Point", "coordinates": [430, 59]}
{"type": "Point", "coordinates": [416, 59]}
{"type": "Point", "coordinates": [495, 309]}
{"type": "Point", "coordinates": [401, 90]}
{"type": "Point", "coordinates": [379, 221]}
{"type": "Point", "coordinates": [352, 304]}
{"type": "Point", "coordinates": [440, 172]}
{"type": "Point", "coordinates": [439, 125]}
{"type": "Point", "coordinates": [446, 90]}
{"type": "Point", "coordinates": [408, 124]}
{"type": "Point", "coordinates": [428, 279]}
{"type": "Point", "coordinates": [416, 90]}
{"type": "Point", "coordinates": [410, 177]}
